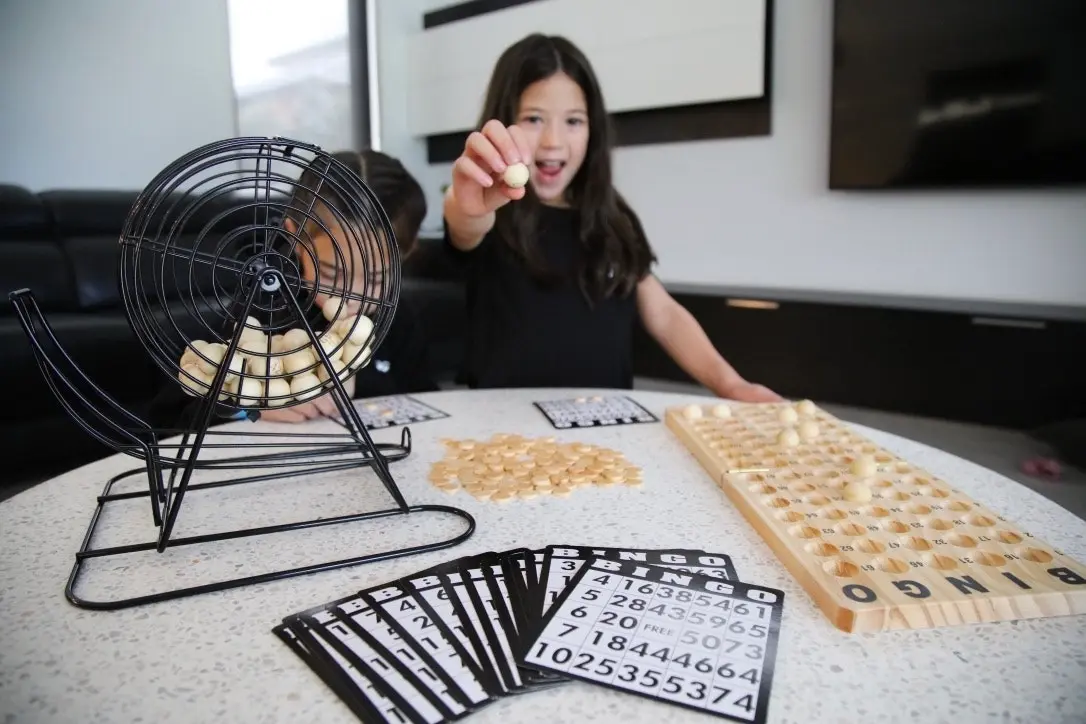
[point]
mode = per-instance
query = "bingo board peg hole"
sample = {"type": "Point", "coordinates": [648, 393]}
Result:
{"type": "Point", "coordinates": [800, 488]}
{"type": "Point", "coordinates": [941, 563]}
{"type": "Point", "coordinates": [1036, 555]}
{"type": "Point", "coordinates": [981, 521]}
{"type": "Point", "coordinates": [777, 502]}
{"type": "Point", "coordinates": [891, 565]}
{"type": "Point", "coordinates": [900, 495]}
{"type": "Point", "coordinates": [763, 489]}
{"type": "Point", "coordinates": [916, 543]}
{"type": "Point", "coordinates": [840, 568]}
{"type": "Point", "coordinates": [918, 509]}
{"type": "Point", "coordinates": [804, 531]}
{"type": "Point", "coordinates": [962, 541]}
{"type": "Point", "coordinates": [940, 524]}
{"type": "Point", "coordinates": [834, 514]}
{"type": "Point", "coordinates": [939, 493]}
{"type": "Point", "coordinates": [987, 558]}
{"type": "Point", "coordinates": [876, 511]}
{"type": "Point", "coordinates": [816, 500]}
{"type": "Point", "coordinates": [850, 529]}
{"type": "Point", "coordinates": [895, 526]}
{"type": "Point", "coordinates": [790, 516]}
{"type": "Point", "coordinates": [959, 506]}
{"type": "Point", "coordinates": [821, 548]}
{"type": "Point", "coordinates": [1009, 537]}
{"type": "Point", "coordinates": [870, 545]}
{"type": "Point", "coordinates": [884, 484]}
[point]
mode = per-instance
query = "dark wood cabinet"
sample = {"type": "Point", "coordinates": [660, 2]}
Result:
{"type": "Point", "coordinates": [1016, 371]}
{"type": "Point", "coordinates": [995, 364]}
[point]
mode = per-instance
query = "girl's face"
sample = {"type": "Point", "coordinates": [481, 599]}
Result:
{"type": "Point", "coordinates": [340, 266]}
{"type": "Point", "coordinates": [553, 114]}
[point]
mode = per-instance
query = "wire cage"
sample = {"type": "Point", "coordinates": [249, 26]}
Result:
{"type": "Point", "coordinates": [258, 274]}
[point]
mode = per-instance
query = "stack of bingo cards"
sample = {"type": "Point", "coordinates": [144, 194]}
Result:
{"type": "Point", "coordinates": [676, 626]}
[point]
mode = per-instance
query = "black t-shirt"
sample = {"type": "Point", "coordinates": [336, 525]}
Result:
{"type": "Point", "coordinates": [401, 365]}
{"type": "Point", "coordinates": [523, 333]}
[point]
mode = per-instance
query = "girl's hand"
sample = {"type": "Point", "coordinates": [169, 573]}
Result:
{"type": "Point", "coordinates": [476, 178]}
{"type": "Point", "coordinates": [315, 409]}
{"type": "Point", "coordinates": [750, 392]}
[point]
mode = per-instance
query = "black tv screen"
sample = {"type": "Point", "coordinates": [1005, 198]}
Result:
{"type": "Point", "coordinates": [958, 93]}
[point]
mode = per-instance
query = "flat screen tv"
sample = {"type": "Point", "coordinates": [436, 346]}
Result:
{"type": "Point", "coordinates": [958, 93]}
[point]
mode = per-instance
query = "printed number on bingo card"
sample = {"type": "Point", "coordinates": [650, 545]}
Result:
{"type": "Point", "coordinates": [679, 637]}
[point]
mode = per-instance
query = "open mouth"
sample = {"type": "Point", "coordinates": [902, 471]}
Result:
{"type": "Point", "coordinates": [550, 169]}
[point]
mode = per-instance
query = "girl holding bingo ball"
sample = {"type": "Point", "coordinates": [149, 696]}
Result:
{"type": "Point", "coordinates": [558, 266]}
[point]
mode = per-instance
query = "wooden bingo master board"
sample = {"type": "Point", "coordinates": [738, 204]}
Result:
{"type": "Point", "coordinates": [877, 542]}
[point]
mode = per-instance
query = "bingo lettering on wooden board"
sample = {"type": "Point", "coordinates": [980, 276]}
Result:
{"type": "Point", "coordinates": [676, 637]}
{"type": "Point", "coordinates": [876, 541]}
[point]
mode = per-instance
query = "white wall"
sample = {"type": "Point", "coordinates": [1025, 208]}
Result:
{"type": "Point", "coordinates": [105, 93]}
{"type": "Point", "coordinates": [648, 60]}
{"type": "Point", "coordinates": [757, 211]}
{"type": "Point", "coordinates": [397, 21]}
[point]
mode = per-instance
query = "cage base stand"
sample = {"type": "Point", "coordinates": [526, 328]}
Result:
{"type": "Point", "coordinates": [87, 552]}
{"type": "Point", "coordinates": [169, 467]}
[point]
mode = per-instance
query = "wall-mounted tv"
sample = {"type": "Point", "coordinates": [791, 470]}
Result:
{"type": "Point", "coordinates": [958, 93]}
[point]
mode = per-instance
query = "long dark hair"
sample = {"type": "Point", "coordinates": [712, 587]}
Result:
{"type": "Point", "coordinates": [617, 253]}
{"type": "Point", "coordinates": [398, 192]}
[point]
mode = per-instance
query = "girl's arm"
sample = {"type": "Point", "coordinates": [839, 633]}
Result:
{"type": "Point", "coordinates": [465, 232]}
{"type": "Point", "coordinates": [680, 335]}
{"type": "Point", "coordinates": [475, 193]}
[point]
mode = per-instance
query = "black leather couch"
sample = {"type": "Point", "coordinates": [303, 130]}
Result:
{"type": "Point", "coordinates": [63, 246]}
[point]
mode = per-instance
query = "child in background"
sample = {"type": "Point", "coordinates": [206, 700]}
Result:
{"type": "Point", "coordinates": [558, 271]}
{"type": "Point", "coordinates": [401, 364]}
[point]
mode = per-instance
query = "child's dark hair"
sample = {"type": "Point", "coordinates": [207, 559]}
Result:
{"type": "Point", "coordinates": [397, 191]}
{"type": "Point", "coordinates": [609, 229]}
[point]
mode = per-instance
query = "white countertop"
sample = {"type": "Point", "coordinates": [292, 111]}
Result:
{"type": "Point", "coordinates": [213, 658]}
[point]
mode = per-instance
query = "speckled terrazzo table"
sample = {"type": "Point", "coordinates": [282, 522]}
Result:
{"type": "Point", "coordinates": [213, 658]}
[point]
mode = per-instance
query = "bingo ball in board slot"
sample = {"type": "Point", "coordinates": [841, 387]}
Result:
{"type": "Point", "coordinates": [247, 242]}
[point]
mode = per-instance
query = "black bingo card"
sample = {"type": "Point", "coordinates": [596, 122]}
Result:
{"type": "Point", "coordinates": [458, 623]}
{"type": "Point", "coordinates": [594, 412]}
{"type": "Point", "coordinates": [380, 412]}
{"type": "Point", "coordinates": [343, 679]}
{"type": "Point", "coordinates": [347, 636]}
{"type": "Point", "coordinates": [677, 637]}
{"type": "Point", "coordinates": [470, 589]}
{"type": "Point", "coordinates": [456, 676]}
